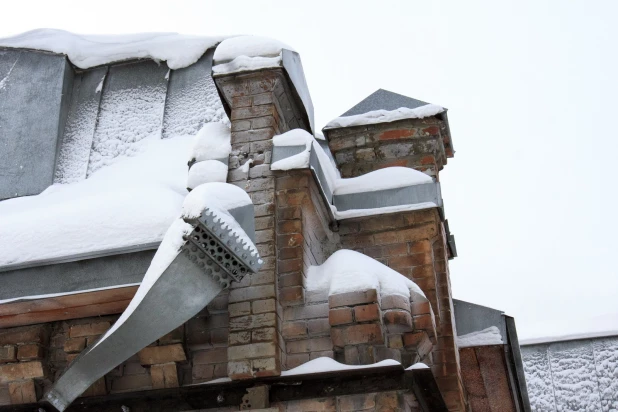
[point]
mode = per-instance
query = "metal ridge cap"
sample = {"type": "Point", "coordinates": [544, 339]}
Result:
{"type": "Point", "coordinates": [81, 256]}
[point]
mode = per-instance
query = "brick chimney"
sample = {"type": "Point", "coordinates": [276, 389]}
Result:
{"type": "Point", "coordinates": [420, 143]}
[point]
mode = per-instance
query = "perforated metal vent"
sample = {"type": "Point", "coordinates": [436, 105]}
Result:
{"type": "Point", "coordinates": [219, 251]}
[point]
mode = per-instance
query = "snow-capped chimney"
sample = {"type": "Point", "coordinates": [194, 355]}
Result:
{"type": "Point", "coordinates": [388, 129]}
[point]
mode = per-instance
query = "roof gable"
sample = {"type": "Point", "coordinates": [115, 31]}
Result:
{"type": "Point", "coordinates": [384, 100]}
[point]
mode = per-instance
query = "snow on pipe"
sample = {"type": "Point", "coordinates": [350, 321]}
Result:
{"type": "Point", "coordinates": [198, 258]}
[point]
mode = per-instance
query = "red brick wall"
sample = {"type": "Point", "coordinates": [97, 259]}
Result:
{"type": "Point", "coordinates": [413, 243]}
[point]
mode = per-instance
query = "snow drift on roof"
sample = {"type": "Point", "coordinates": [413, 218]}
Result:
{"type": "Point", "coordinates": [485, 337]}
{"type": "Point", "coordinates": [212, 142]}
{"type": "Point", "coordinates": [349, 271]}
{"type": "Point", "coordinates": [249, 46]}
{"type": "Point", "coordinates": [86, 51]}
{"type": "Point", "coordinates": [385, 116]}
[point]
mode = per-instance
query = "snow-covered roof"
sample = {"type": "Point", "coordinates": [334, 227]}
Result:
{"type": "Point", "coordinates": [86, 51]}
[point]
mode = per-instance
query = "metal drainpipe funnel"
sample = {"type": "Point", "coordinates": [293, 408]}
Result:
{"type": "Point", "coordinates": [207, 262]}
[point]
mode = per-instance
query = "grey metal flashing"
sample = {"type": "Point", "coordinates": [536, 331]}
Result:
{"type": "Point", "coordinates": [423, 193]}
{"type": "Point", "coordinates": [33, 101]}
{"type": "Point", "coordinates": [283, 152]}
{"type": "Point", "coordinates": [516, 361]}
{"type": "Point", "coordinates": [314, 163]}
{"type": "Point", "coordinates": [75, 277]}
{"type": "Point", "coordinates": [384, 100]}
{"type": "Point", "coordinates": [210, 258]}
{"type": "Point", "coordinates": [470, 317]}
{"type": "Point", "coordinates": [294, 69]}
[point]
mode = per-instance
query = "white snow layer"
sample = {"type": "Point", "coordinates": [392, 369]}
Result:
{"type": "Point", "coordinates": [349, 271]}
{"type": "Point", "coordinates": [248, 46]}
{"type": "Point", "coordinates": [86, 51]}
{"type": "Point", "coordinates": [419, 365]}
{"type": "Point", "coordinates": [295, 137]}
{"type": "Point", "coordinates": [129, 203]}
{"type": "Point", "coordinates": [324, 364]}
{"type": "Point", "coordinates": [246, 63]}
{"type": "Point", "coordinates": [489, 336]}
{"type": "Point", "coordinates": [385, 116]}
{"type": "Point", "coordinates": [211, 142]}
{"type": "Point", "coordinates": [206, 172]}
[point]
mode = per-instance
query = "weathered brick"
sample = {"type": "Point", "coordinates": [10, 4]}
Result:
{"type": "Point", "coordinates": [410, 260]}
{"type": "Point", "coordinates": [314, 405]}
{"type": "Point", "coordinates": [164, 376]}
{"type": "Point", "coordinates": [239, 370]}
{"type": "Point", "coordinates": [395, 302]}
{"type": "Point", "coordinates": [89, 329]}
{"type": "Point", "coordinates": [413, 339]}
{"type": "Point", "coordinates": [252, 293]}
{"type": "Point", "coordinates": [353, 298]}
{"type": "Point", "coordinates": [291, 265]}
{"type": "Point", "coordinates": [264, 335]}
{"type": "Point", "coordinates": [22, 392]}
{"type": "Point", "coordinates": [254, 350]}
{"type": "Point", "coordinates": [294, 329]}
{"type": "Point", "coordinates": [210, 356]}
{"type": "Point", "coordinates": [397, 321]}
{"type": "Point", "coordinates": [265, 367]}
{"type": "Point", "coordinates": [161, 354]}
{"type": "Point", "coordinates": [420, 308]}
{"type": "Point", "coordinates": [309, 345]}
{"type": "Point", "coordinates": [296, 359]}
{"type": "Point", "coordinates": [27, 334]}
{"type": "Point", "coordinates": [263, 306]}
{"type": "Point", "coordinates": [98, 388]}
{"type": "Point", "coordinates": [22, 370]}
{"type": "Point", "coordinates": [253, 321]}
{"type": "Point", "coordinates": [306, 312]}
{"type": "Point", "coordinates": [357, 334]}
{"type": "Point", "coordinates": [239, 338]}
{"type": "Point", "coordinates": [340, 316]}
{"type": "Point", "coordinates": [318, 326]}
{"type": "Point", "coordinates": [30, 351]}
{"type": "Point", "coordinates": [366, 313]}
{"type": "Point", "coordinates": [291, 294]}
{"type": "Point", "coordinates": [353, 403]}
{"type": "Point", "coordinates": [7, 354]}
{"type": "Point", "coordinates": [239, 309]}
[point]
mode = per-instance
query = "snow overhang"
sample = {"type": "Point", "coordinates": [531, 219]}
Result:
{"type": "Point", "coordinates": [250, 54]}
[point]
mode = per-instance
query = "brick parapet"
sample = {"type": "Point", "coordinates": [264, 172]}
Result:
{"type": "Point", "coordinates": [414, 143]}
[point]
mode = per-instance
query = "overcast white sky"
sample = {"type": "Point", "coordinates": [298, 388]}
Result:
{"type": "Point", "coordinates": [531, 91]}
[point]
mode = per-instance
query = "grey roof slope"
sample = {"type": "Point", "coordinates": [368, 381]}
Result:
{"type": "Point", "coordinates": [384, 100]}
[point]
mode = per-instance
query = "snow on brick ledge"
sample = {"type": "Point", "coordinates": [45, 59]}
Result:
{"type": "Point", "coordinates": [87, 51]}
{"type": "Point", "coordinates": [385, 116]}
{"type": "Point", "coordinates": [349, 271]}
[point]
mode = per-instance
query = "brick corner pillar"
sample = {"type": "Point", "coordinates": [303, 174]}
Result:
{"type": "Point", "coordinates": [414, 243]}
{"type": "Point", "coordinates": [261, 104]}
